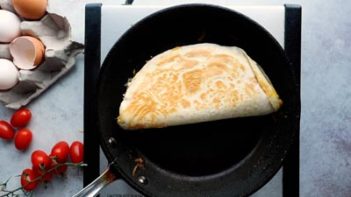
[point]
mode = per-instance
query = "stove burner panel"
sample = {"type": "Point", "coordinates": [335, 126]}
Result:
{"type": "Point", "coordinates": [110, 22]}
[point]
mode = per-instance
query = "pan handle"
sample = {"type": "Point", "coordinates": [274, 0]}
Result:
{"type": "Point", "coordinates": [94, 188]}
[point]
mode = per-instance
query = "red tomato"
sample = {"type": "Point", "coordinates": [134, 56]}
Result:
{"type": "Point", "coordinates": [27, 177]}
{"type": "Point", "coordinates": [21, 118]}
{"type": "Point", "coordinates": [60, 152]}
{"type": "Point", "coordinates": [6, 130]}
{"type": "Point", "coordinates": [23, 138]}
{"type": "Point", "coordinates": [41, 161]}
{"type": "Point", "coordinates": [77, 152]}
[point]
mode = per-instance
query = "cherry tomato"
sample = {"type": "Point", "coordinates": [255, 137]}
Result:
{"type": "Point", "coordinates": [77, 152]}
{"type": "Point", "coordinates": [41, 161]}
{"type": "Point", "coordinates": [23, 138]}
{"type": "Point", "coordinates": [60, 152]}
{"type": "Point", "coordinates": [6, 130]}
{"type": "Point", "coordinates": [21, 118]}
{"type": "Point", "coordinates": [27, 180]}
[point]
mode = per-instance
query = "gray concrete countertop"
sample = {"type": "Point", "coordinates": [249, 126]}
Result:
{"type": "Point", "coordinates": [325, 119]}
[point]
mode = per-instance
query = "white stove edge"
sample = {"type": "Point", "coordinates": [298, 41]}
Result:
{"type": "Point", "coordinates": [117, 19]}
{"type": "Point", "coordinates": [270, 17]}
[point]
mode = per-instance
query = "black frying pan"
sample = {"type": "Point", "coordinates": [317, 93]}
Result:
{"type": "Point", "coordinates": [232, 157]}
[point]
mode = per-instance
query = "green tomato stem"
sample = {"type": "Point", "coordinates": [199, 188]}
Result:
{"type": "Point", "coordinates": [8, 193]}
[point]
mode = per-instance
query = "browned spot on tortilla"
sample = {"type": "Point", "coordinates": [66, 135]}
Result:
{"type": "Point", "coordinates": [198, 53]}
{"type": "Point", "coordinates": [188, 63]}
{"type": "Point", "coordinates": [168, 59]}
{"type": "Point", "coordinates": [234, 97]}
{"type": "Point", "coordinates": [216, 102]}
{"type": "Point", "coordinates": [220, 85]}
{"type": "Point", "coordinates": [192, 81]}
{"type": "Point", "coordinates": [185, 103]}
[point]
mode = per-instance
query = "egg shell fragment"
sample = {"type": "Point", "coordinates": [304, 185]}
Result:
{"type": "Point", "coordinates": [27, 52]}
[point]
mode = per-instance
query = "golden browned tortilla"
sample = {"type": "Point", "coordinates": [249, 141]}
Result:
{"type": "Point", "coordinates": [196, 83]}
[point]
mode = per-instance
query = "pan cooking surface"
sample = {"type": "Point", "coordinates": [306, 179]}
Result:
{"type": "Point", "coordinates": [198, 149]}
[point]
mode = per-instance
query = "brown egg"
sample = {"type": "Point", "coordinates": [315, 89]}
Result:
{"type": "Point", "coordinates": [30, 9]}
{"type": "Point", "coordinates": [27, 52]}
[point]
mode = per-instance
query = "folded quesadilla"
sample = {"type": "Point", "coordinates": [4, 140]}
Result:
{"type": "Point", "coordinates": [196, 83]}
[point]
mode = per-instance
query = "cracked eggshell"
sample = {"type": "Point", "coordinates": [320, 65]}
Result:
{"type": "Point", "coordinates": [9, 26]}
{"type": "Point", "coordinates": [27, 52]}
